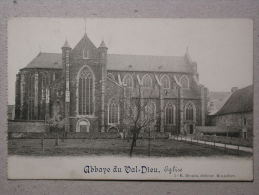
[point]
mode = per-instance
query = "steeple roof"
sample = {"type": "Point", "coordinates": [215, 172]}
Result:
{"type": "Point", "coordinates": [102, 45]}
{"type": "Point", "coordinates": [66, 44]}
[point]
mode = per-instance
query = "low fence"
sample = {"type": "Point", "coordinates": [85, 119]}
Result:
{"type": "Point", "coordinates": [83, 135]}
{"type": "Point", "coordinates": [68, 135]}
{"type": "Point", "coordinates": [229, 148]}
{"type": "Point", "coordinates": [226, 140]}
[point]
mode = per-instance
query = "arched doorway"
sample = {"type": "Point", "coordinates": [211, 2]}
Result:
{"type": "Point", "coordinates": [113, 129]}
{"type": "Point", "coordinates": [83, 126]}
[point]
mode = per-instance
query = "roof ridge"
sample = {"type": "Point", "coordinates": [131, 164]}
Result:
{"type": "Point", "coordinates": [244, 104]}
{"type": "Point", "coordinates": [48, 53]}
{"type": "Point", "coordinates": [144, 55]}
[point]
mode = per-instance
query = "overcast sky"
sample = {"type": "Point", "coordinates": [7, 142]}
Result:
{"type": "Point", "coordinates": [222, 48]}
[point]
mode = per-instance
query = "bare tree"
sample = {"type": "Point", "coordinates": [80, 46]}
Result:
{"type": "Point", "coordinates": [139, 114]}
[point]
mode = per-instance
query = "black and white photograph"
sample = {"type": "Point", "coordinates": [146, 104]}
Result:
{"type": "Point", "coordinates": [130, 99]}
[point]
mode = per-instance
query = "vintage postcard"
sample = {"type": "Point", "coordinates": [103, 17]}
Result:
{"type": "Point", "coordinates": [130, 99]}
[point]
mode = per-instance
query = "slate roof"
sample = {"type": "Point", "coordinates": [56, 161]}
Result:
{"type": "Point", "coordinates": [46, 60]}
{"type": "Point", "coordinates": [240, 101]}
{"type": "Point", "coordinates": [121, 62]}
{"type": "Point", "coordinates": [218, 99]}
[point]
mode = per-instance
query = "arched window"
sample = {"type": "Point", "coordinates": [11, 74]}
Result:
{"type": "Point", "coordinates": [128, 80]}
{"type": "Point", "coordinates": [43, 83]}
{"type": "Point", "coordinates": [184, 82]}
{"type": "Point", "coordinates": [31, 94]}
{"type": "Point", "coordinates": [42, 95]}
{"type": "Point", "coordinates": [147, 81]}
{"type": "Point", "coordinates": [150, 111]}
{"type": "Point", "coordinates": [165, 81]}
{"type": "Point", "coordinates": [85, 92]}
{"type": "Point", "coordinates": [111, 76]}
{"type": "Point", "coordinates": [189, 112]}
{"type": "Point", "coordinates": [170, 114]}
{"type": "Point", "coordinates": [113, 115]}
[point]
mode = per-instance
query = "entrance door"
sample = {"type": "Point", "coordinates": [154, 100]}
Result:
{"type": "Point", "coordinates": [191, 129]}
{"type": "Point", "coordinates": [83, 126]}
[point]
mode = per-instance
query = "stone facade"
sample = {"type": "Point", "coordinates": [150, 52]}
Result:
{"type": "Point", "coordinates": [86, 86]}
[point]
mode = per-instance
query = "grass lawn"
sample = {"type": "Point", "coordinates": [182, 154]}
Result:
{"type": "Point", "coordinates": [159, 147]}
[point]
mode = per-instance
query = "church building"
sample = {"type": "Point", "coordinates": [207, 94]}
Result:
{"type": "Point", "coordinates": [85, 86]}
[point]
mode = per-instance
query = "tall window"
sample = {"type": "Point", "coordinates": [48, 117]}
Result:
{"type": "Point", "coordinates": [184, 82]}
{"type": "Point", "coordinates": [165, 81]}
{"type": "Point", "coordinates": [113, 112]}
{"type": "Point", "coordinates": [189, 112]}
{"type": "Point", "coordinates": [85, 92]}
{"type": "Point", "coordinates": [111, 76]}
{"type": "Point", "coordinates": [43, 86]}
{"type": "Point", "coordinates": [170, 114]}
{"type": "Point", "coordinates": [31, 93]}
{"type": "Point", "coordinates": [147, 81]}
{"type": "Point", "coordinates": [128, 80]}
{"type": "Point", "coordinates": [150, 111]}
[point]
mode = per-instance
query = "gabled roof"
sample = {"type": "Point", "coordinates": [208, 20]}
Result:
{"type": "Point", "coordinates": [84, 44]}
{"type": "Point", "coordinates": [218, 99]}
{"type": "Point", "coordinates": [122, 62]}
{"type": "Point", "coordinates": [240, 101]}
{"type": "Point", "coordinates": [46, 60]}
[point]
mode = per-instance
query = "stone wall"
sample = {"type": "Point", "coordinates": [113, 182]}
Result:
{"type": "Point", "coordinates": [235, 120]}
{"type": "Point", "coordinates": [27, 126]}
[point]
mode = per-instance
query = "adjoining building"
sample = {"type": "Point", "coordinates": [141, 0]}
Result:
{"type": "Point", "coordinates": [216, 99]}
{"type": "Point", "coordinates": [235, 118]}
{"type": "Point", "coordinates": [85, 85]}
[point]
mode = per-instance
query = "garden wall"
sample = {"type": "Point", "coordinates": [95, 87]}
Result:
{"type": "Point", "coordinates": [15, 126]}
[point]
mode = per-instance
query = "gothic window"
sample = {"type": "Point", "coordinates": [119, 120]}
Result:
{"type": "Point", "coordinates": [147, 81]}
{"type": "Point", "coordinates": [128, 80]}
{"type": "Point", "coordinates": [189, 112]}
{"type": "Point", "coordinates": [165, 81]}
{"type": "Point", "coordinates": [111, 76]}
{"type": "Point", "coordinates": [85, 92]}
{"type": "Point", "coordinates": [31, 94]}
{"type": "Point", "coordinates": [113, 112]}
{"type": "Point", "coordinates": [43, 86]}
{"type": "Point", "coordinates": [150, 111]}
{"type": "Point", "coordinates": [170, 114]}
{"type": "Point", "coordinates": [184, 82]}
{"type": "Point", "coordinates": [244, 121]}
